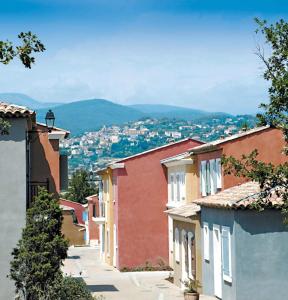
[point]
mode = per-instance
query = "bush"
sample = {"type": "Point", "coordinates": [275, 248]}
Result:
{"type": "Point", "coordinates": [70, 288]}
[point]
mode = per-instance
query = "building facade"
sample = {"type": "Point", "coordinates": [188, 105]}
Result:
{"type": "Point", "coordinates": [244, 249]}
{"type": "Point", "coordinates": [20, 163]}
{"type": "Point", "coordinates": [135, 197]}
{"type": "Point", "coordinates": [207, 178]}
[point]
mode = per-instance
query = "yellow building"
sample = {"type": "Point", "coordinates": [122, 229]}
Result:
{"type": "Point", "coordinates": [183, 219]}
{"type": "Point", "coordinates": [106, 220]}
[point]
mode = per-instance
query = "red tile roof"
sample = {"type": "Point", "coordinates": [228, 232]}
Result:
{"type": "Point", "coordinates": [240, 196]}
{"type": "Point", "coordinates": [12, 110]}
{"type": "Point", "coordinates": [78, 209]}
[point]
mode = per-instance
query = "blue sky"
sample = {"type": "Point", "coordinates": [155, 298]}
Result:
{"type": "Point", "coordinates": [198, 54]}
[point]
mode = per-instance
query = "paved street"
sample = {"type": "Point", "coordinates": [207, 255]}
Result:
{"type": "Point", "coordinates": [104, 280]}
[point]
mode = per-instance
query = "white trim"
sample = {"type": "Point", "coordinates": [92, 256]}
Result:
{"type": "Point", "coordinates": [57, 135]}
{"type": "Point", "coordinates": [206, 241]}
{"type": "Point", "coordinates": [182, 162]}
{"type": "Point", "coordinates": [117, 166]}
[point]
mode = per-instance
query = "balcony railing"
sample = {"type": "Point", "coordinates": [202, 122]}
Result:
{"type": "Point", "coordinates": [33, 189]}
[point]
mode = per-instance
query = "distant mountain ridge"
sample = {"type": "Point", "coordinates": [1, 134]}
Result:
{"type": "Point", "coordinates": [88, 115]}
{"type": "Point", "coordinates": [24, 100]}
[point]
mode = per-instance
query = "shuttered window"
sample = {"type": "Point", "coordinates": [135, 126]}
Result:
{"type": "Point", "coordinates": [226, 254]}
{"type": "Point", "coordinates": [177, 245]}
{"type": "Point", "coordinates": [206, 241]}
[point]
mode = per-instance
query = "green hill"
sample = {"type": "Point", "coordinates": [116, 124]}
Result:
{"type": "Point", "coordinates": [88, 115]}
{"type": "Point", "coordinates": [175, 112]}
{"type": "Point", "coordinates": [24, 100]}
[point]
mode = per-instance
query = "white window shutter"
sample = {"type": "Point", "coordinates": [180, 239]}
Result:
{"type": "Point", "coordinates": [206, 241]}
{"type": "Point", "coordinates": [177, 245]}
{"type": "Point", "coordinates": [203, 178]}
{"type": "Point", "coordinates": [226, 254]}
{"type": "Point", "coordinates": [183, 187]}
{"type": "Point", "coordinates": [171, 190]}
{"type": "Point", "coordinates": [219, 173]}
{"type": "Point", "coordinates": [208, 178]}
{"type": "Point", "coordinates": [212, 176]}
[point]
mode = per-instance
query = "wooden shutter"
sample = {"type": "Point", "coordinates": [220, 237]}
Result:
{"type": "Point", "coordinates": [219, 173]}
{"type": "Point", "coordinates": [177, 245]}
{"type": "Point", "coordinates": [206, 241]}
{"type": "Point", "coordinates": [226, 254]}
{"type": "Point", "coordinates": [203, 178]}
{"type": "Point", "coordinates": [213, 179]}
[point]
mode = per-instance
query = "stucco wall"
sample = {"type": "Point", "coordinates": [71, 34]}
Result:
{"type": "Point", "coordinates": [12, 198]}
{"type": "Point", "coordinates": [142, 198]}
{"type": "Point", "coordinates": [259, 245]}
{"type": "Point", "coordinates": [73, 232]}
{"type": "Point", "coordinates": [219, 217]}
{"type": "Point", "coordinates": [261, 255]}
{"type": "Point", "coordinates": [45, 159]}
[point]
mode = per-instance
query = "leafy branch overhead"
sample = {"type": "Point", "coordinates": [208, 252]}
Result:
{"type": "Point", "coordinates": [30, 44]}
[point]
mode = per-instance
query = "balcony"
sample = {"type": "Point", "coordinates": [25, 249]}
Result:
{"type": "Point", "coordinates": [33, 189]}
{"type": "Point", "coordinates": [101, 218]}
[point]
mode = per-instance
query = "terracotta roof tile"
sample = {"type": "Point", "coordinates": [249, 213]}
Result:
{"type": "Point", "coordinates": [240, 196]}
{"type": "Point", "coordinates": [213, 144]}
{"type": "Point", "coordinates": [12, 110]}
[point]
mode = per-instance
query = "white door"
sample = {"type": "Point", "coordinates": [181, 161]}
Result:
{"type": "Point", "coordinates": [217, 258]}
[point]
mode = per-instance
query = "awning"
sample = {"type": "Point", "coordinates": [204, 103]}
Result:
{"type": "Point", "coordinates": [186, 211]}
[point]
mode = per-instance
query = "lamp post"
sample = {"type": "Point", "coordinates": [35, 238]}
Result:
{"type": "Point", "coordinates": [50, 120]}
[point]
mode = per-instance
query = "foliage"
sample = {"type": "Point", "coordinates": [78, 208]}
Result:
{"type": "Point", "coordinates": [39, 253]}
{"type": "Point", "coordinates": [148, 266]}
{"type": "Point", "coordinates": [80, 187]}
{"type": "Point", "coordinates": [271, 178]}
{"type": "Point", "coordinates": [191, 285]}
{"type": "Point", "coordinates": [4, 126]}
{"type": "Point", "coordinates": [29, 44]}
{"type": "Point", "coordinates": [69, 288]}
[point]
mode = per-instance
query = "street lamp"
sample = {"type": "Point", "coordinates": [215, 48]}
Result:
{"type": "Point", "coordinates": [50, 119]}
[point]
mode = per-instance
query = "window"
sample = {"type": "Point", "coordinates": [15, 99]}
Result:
{"type": "Point", "coordinates": [226, 254]}
{"type": "Point", "coordinates": [206, 241]}
{"type": "Point", "coordinates": [94, 211]}
{"type": "Point", "coordinates": [210, 175]}
{"type": "Point", "coordinates": [177, 190]}
{"type": "Point", "coordinates": [177, 245]}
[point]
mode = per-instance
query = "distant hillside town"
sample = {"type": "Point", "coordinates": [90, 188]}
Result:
{"type": "Point", "coordinates": [94, 149]}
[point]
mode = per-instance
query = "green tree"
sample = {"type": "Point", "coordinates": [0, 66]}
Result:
{"type": "Point", "coordinates": [42, 248]}
{"type": "Point", "coordinates": [80, 187]}
{"type": "Point", "coordinates": [275, 113]}
{"type": "Point", "coordinates": [29, 44]}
